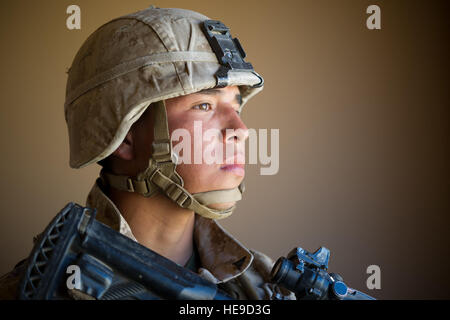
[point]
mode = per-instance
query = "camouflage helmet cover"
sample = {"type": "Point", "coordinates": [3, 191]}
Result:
{"type": "Point", "coordinates": [131, 62]}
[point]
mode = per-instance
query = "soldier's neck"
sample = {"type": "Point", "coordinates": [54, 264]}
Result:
{"type": "Point", "coordinates": [158, 223]}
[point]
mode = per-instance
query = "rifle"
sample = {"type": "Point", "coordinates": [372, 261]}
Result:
{"type": "Point", "coordinates": [111, 266]}
{"type": "Point", "coordinates": [306, 275]}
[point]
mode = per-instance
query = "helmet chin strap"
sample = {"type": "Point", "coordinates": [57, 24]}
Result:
{"type": "Point", "coordinates": [161, 176]}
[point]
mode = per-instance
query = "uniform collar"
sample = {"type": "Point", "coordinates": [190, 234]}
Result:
{"type": "Point", "coordinates": [222, 257]}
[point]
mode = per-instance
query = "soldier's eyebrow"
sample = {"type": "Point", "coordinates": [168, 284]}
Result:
{"type": "Point", "coordinates": [212, 91]}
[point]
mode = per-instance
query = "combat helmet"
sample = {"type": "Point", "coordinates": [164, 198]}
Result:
{"type": "Point", "coordinates": [139, 60]}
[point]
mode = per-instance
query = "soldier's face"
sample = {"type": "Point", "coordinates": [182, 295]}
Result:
{"type": "Point", "coordinates": [205, 116]}
{"type": "Point", "coordinates": [210, 112]}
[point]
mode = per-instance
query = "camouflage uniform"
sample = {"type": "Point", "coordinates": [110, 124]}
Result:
{"type": "Point", "coordinates": [242, 273]}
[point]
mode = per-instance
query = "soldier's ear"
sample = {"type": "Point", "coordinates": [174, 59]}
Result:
{"type": "Point", "coordinates": [126, 149]}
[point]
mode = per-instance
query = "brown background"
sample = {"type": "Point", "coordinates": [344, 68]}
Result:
{"type": "Point", "coordinates": [363, 118]}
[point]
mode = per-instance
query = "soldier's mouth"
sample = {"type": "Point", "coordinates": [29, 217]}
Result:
{"type": "Point", "coordinates": [237, 169]}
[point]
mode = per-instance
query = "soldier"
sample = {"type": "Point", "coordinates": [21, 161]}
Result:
{"type": "Point", "coordinates": [134, 81]}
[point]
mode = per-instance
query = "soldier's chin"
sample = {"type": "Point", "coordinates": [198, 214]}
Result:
{"type": "Point", "coordinates": [221, 206]}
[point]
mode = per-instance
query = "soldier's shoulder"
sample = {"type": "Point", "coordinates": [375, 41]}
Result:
{"type": "Point", "coordinates": [256, 281]}
{"type": "Point", "coordinates": [9, 282]}
{"type": "Point", "coordinates": [262, 264]}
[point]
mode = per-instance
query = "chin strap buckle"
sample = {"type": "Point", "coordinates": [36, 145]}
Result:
{"type": "Point", "coordinates": [177, 194]}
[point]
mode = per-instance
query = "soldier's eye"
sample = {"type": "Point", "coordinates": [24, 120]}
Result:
{"type": "Point", "coordinates": [203, 107]}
